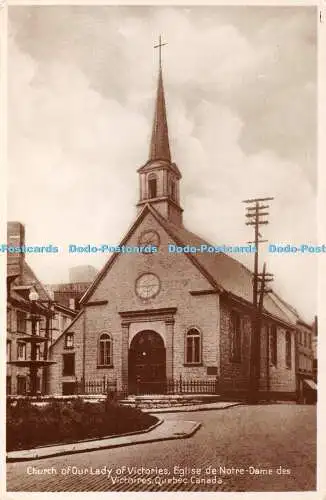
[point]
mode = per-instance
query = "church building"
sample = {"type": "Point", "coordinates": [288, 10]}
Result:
{"type": "Point", "coordinates": [152, 319]}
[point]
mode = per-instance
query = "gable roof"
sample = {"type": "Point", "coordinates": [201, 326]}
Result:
{"type": "Point", "coordinates": [224, 273]}
{"type": "Point", "coordinates": [227, 272]}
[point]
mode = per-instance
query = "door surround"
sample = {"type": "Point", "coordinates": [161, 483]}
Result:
{"type": "Point", "coordinates": [165, 315]}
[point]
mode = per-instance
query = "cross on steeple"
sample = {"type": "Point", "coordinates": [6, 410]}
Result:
{"type": "Point", "coordinates": [159, 46]}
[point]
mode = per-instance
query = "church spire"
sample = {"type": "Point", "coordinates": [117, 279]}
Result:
{"type": "Point", "coordinates": [160, 147]}
{"type": "Point", "coordinates": [160, 177]}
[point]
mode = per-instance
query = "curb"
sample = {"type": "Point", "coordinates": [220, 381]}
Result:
{"type": "Point", "coordinates": [182, 410]}
{"type": "Point", "coordinates": [74, 443]}
{"type": "Point", "coordinates": [182, 435]}
{"type": "Point", "coordinates": [143, 431]}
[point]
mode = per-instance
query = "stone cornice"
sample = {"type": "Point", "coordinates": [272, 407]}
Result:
{"type": "Point", "coordinates": [162, 314]}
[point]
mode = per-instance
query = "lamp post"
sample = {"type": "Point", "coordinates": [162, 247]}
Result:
{"type": "Point", "coordinates": [48, 331]}
{"type": "Point", "coordinates": [33, 297]}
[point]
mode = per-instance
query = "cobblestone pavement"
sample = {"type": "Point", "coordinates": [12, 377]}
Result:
{"type": "Point", "coordinates": [280, 438]}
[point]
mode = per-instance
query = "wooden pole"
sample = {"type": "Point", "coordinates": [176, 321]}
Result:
{"type": "Point", "coordinates": [254, 215]}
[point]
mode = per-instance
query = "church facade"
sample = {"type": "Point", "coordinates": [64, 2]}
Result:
{"type": "Point", "coordinates": [151, 318]}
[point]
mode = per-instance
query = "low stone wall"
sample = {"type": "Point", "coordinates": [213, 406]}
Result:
{"type": "Point", "coordinates": [43, 400]}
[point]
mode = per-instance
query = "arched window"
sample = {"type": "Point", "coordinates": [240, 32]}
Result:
{"type": "Point", "coordinates": [288, 350]}
{"type": "Point", "coordinates": [193, 347]}
{"type": "Point", "coordinates": [152, 186]}
{"type": "Point", "coordinates": [105, 350]}
{"type": "Point", "coordinates": [273, 344]}
{"type": "Point", "coordinates": [235, 344]}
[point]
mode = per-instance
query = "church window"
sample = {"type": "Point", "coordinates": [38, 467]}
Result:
{"type": "Point", "coordinates": [69, 340]}
{"type": "Point", "coordinates": [152, 186]}
{"type": "Point", "coordinates": [105, 350]}
{"type": "Point", "coordinates": [147, 286]}
{"type": "Point", "coordinates": [173, 190]}
{"type": "Point", "coordinates": [235, 351]}
{"type": "Point", "coordinates": [288, 350]}
{"type": "Point", "coordinates": [193, 347]}
{"type": "Point", "coordinates": [273, 341]}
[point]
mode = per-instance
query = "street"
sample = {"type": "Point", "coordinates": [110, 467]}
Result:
{"type": "Point", "coordinates": [243, 448]}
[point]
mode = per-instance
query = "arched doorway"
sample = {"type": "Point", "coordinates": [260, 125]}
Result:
{"type": "Point", "coordinates": [146, 364]}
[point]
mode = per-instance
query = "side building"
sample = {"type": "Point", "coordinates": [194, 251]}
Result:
{"type": "Point", "coordinates": [306, 380]}
{"type": "Point", "coordinates": [66, 297]}
{"type": "Point", "coordinates": [31, 325]}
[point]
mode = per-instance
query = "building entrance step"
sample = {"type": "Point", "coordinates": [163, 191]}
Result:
{"type": "Point", "coordinates": [168, 400]}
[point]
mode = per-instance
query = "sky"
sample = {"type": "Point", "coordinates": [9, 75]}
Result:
{"type": "Point", "coordinates": [240, 85]}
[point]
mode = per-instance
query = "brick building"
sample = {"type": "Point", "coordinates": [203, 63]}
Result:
{"type": "Point", "coordinates": [306, 380]}
{"type": "Point", "coordinates": [21, 283]}
{"type": "Point", "coordinates": [152, 317]}
{"type": "Point", "coordinates": [315, 348]}
{"type": "Point", "coordinates": [68, 295]}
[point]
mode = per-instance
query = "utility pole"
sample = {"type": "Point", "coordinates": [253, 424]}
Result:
{"type": "Point", "coordinates": [256, 213]}
{"type": "Point", "coordinates": [263, 279]}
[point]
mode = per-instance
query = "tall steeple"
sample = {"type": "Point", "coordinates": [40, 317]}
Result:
{"type": "Point", "coordinates": [160, 147]}
{"type": "Point", "coordinates": [159, 177]}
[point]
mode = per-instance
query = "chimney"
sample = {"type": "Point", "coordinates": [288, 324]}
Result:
{"type": "Point", "coordinates": [15, 238]}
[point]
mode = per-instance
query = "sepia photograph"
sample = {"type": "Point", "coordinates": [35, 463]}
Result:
{"type": "Point", "coordinates": [162, 248]}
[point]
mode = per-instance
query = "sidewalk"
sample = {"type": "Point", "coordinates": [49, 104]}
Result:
{"type": "Point", "coordinates": [164, 430]}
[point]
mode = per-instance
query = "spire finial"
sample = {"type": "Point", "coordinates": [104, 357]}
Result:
{"type": "Point", "coordinates": [159, 46]}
